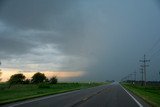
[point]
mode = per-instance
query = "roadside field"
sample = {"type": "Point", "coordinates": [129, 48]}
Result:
{"type": "Point", "coordinates": [150, 94]}
{"type": "Point", "coordinates": [27, 91]}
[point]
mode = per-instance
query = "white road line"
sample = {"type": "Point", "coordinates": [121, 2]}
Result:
{"type": "Point", "coordinates": [139, 104]}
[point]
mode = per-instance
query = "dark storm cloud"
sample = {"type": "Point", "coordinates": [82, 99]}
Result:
{"type": "Point", "coordinates": [32, 14]}
{"type": "Point", "coordinates": [46, 15]}
{"type": "Point", "coordinates": [103, 38]}
{"type": "Point", "coordinates": [11, 45]}
{"type": "Point", "coordinates": [59, 16]}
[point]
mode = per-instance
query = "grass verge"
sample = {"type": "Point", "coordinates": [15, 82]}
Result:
{"type": "Point", "coordinates": [28, 91]}
{"type": "Point", "coordinates": [150, 94]}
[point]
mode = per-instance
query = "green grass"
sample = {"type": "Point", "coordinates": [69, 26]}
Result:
{"type": "Point", "coordinates": [22, 92]}
{"type": "Point", "coordinates": [150, 94]}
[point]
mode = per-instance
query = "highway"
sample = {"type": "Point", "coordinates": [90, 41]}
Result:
{"type": "Point", "coordinates": [113, 95]}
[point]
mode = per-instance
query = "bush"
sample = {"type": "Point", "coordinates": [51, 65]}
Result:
{"type": "Point", "coordinates": [3, 86]}
{"type": "Point", "coordinates": [54, 80]}
{"type": "Point", "coordinates": [38, 78]}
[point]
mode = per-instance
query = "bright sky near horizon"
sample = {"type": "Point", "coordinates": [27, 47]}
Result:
{"type": "Point", "coordinates": [79, 40]}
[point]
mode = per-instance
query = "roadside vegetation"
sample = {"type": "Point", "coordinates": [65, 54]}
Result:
{"type": "Point", "coordinates": [19, 88]}
{"type": "Point", "coordinates": [150, 93]}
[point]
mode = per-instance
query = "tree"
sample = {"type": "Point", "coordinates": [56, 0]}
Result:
{"type": "Point", "coordinates": [17, 79]}
{"type": "Point", "coordinates": [38, 77]}
{"type": "Point", "coordinates": [54, 80]}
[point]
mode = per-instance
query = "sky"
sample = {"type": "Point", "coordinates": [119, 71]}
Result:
{"type": "Point", "coordinates": [79, 40]}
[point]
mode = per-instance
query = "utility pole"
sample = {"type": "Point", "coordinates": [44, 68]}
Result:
{"type": "Point", "coordinates": [142, 75]}
{"type": "Point", "coordinates": [144, 61]}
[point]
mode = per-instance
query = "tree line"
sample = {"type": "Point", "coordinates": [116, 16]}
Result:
{"type": "Point", "coordinates": [36, 79]}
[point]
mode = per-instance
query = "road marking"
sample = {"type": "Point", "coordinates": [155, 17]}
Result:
{"type": "Point", "coordinates": [45, 97]}
{"type": "Point", "coordinates": [139, 104]}
{"type": "Point", "coordinates": [84, 99]}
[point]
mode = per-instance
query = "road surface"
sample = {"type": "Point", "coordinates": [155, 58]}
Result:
{"type": "Point", "coordinates": [113, 95]}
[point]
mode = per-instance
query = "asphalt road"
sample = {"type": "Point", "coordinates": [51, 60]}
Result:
{"type": "Point", "coordinates": [112, 95]}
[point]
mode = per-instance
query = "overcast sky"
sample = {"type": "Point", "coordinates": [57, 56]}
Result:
{"type": "Point", "coordinates": [104, 39]}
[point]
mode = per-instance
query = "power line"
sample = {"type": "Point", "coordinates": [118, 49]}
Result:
{"type": "Point", "coordinates": [144, 65]}
{"type": "Point", "coordinates": [154, 45]}
{"type": "Point", "coordinates": [154, 54]}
